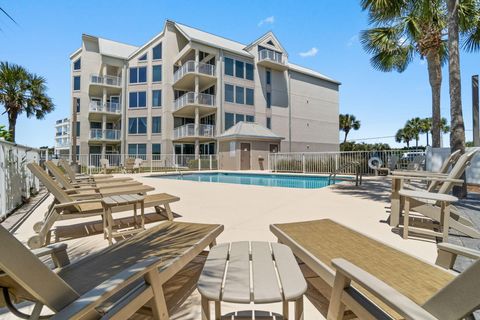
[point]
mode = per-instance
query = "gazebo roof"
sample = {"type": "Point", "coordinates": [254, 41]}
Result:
{"type": "Point", "coordinates": [249, 130]}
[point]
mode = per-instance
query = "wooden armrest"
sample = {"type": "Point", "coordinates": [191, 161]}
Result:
{"type": "Point", "coordinates": [86, 303]}
{"type": "Point", "coordinates": [82, 188]}
{"type": "Point", "coordinates": [388, 295]}
{"type": "Point", "coordinates": [455, 250]}
{"type": "Point", "coordinates": [424, 178]}
{"type": "Point", "coordinates": [419, 173]}
{"type": "Point", "coordinates": [57, 251]}
{"type": "Point", "coordinates": [86, 196]}
{"type": "Point", "coordinates": [73, 203]}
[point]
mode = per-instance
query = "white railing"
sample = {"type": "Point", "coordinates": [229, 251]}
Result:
{"type": "Point", "coordinates": [266, 54]}
{"type": "Point", "coordinates": [111, 107]}
{"type": "Point", "coordinates": [108, 134]}
{"type": "Point", "coordinates": [346, 162]}
{"type": "Point", "coordinates": [90, 163]}
{"type": "Point", "coordinates": [193, 67]}
{"type": "Point", "coordinates": [106, 80]}
{"type": "Point", "coordinates": [188, 130]}
{"type": "Point", "coordinates": [190, 98]}
{"type": "Point", "coordinates": [62, 145]}
{"type": "Point", "coordinates": [17, 183]}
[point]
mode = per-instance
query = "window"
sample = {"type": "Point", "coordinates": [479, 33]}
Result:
{"type": "Point", "coordinates": [269, 99]}
{"type": "Point", "coordinates": [157, 73]}
{"type": "Point", "coordinates": [78, 129]}
{"type": "Point", "coordinates": [77, 64]}
{"type": "Point", "coordinates": [156, 98]}
{"type": "Point", "coordinates": [269, 123]}
{"type": "Point", "coordinates": [229, 120]}
{"type": "Point", "coordinates": [250, 118]}
{"type": "Point", "coordinates": [138, 75]}
{"type": "Point", "coordinates": [249, 96]}
{"type": "Point", "coordinates": [137, 125]}
{"type": "Point", "coordinates": [269, 77]}
{"type": "Point", "coordinates": [157, 52]}
{"type": "Point", "coordinates": [249, 71]}
{"type": "Point", "coordinates": [240, 95]}
{"type": "Point", "coordinates": [156, 124]}
{"type": "Point", "coordinates": [137, 99]}
{"type": "Point", "coordinates": [228, 93]}
{"type": "Point", "coordinates": [143, 57]}
{"type": "Point", "coordinates": [156, 148]}
{"type": "Point", "coordinates": [136, 149]}
{"type": "Point", "coordinates": [77, 104]}
{"type": "Point", "coordinates": [239, 69]}
{"type": "Point", "coordinates": [229, 66]}
{"type": "Point", "coordinates": [76, 83]}
{"type": "Point", "coordinates": [239, 117]}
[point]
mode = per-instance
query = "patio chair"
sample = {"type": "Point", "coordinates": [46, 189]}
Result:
{"type": "Point", "coordinates": [433, 288]}
{"type": "Point", "coordinates": [105, 183]}
{"type": "Point", "coordinates": [138, 164]}
{"type": "Point", "coordinates": [391, 165]}
{"type": "Point", "coordinates": [155, 271]}
{"type": "Point", "coordinates": [77, 177]}
{"type": "Point", "coordinates": [72, 206]}
{"type": "Point", "coordinates": [132, 165]}
{"type": "Point", "coordinates": [430, 209]}
{"type": "Point", "coordinates": [106, 167]}
{"type": "Point", "coordinates": [417, 163]}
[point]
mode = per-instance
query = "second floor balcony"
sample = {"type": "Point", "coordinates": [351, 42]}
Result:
{"type": "Point", "coordinates": [108, 107]}
{"type": "Point", "coordinates": [186, 104]}
{"type": "Point", "coordinates": [111, 81]}
{"type": "Point", "coordinates": [102, 135]}
{"type": "Point", "coordinates": [184, 77]}
{"type": "Point", "coordinates": [188, 132]}
{"type": "Point", "coordinates": [272, 59]}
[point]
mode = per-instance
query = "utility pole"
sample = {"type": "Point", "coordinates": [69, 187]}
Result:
{"type": "Point", "coordinates": [476, 124]}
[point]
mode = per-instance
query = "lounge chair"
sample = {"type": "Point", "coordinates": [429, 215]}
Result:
{"type": "Point", "coordinates": [391, 165]}
{"type": "Point", "coordinates": [432, 210]}
{"type": "Point", "coordinates": [76, 177]}
{"type": "Point", "coordinates": [73, 206]}
{"type": "Point", "coordinates": [106, 167]}
{"type": "Point", "coordinates": [318, 243]}
{"type": "Point", "coordinates": [155, 271]}
{"type": "Point", "coordinates": [88, 185]}
{"type": "Point", "coordinates": [417, 163]}
{"type": "Point", "coordinates": [132, 165]}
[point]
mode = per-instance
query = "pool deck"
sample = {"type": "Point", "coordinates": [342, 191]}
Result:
{"type": "Point", "coordinates": [246, 211]}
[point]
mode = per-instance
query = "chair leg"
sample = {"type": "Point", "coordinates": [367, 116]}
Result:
{"type": "Point", "coordinates": [445, 220]}
{"type": "Point", "coordinates": [299, 308]}
{"type": "Point", "coordinates": [159, 306]}
{"type": "Point", "coordinates": [218, 310]}
{"type": "Point", "coordinates": [285, 310]}
{"type": "Point", "coordinates": [336, 307]}
{"type": "Point", "coordinates": [406, 218]}
{"type": "Point", "coordinates": [205, 309]}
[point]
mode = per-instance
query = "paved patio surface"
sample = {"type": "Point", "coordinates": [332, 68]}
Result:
{"type": "Point", "coordinates": [247, 211]}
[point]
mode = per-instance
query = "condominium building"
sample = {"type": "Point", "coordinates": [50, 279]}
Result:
{"type": "Point", "coordinates": [180, 91]}
{"type": "Point", "coordinates": [62, 137]}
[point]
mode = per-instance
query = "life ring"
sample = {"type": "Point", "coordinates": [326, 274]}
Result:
{"type": "Point", "coordinates": [375, 163]}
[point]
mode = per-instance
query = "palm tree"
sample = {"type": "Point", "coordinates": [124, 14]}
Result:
{"type": "Point", "coordinates": [346, 123]}
{"type": "Point", "coordinates": [404, 135]}
{"type": "Point", "coordinates": [426, 127]}
{"type": "Point", "coordinates": [22, 91]}
{"type": "Point", "coordinates": [415, 127]}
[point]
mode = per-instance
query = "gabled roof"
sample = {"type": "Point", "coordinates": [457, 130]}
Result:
{"type": "Point", "coordinates": [266, 36]}
{"type": "Point", "coordinates": [111, 48]}
{"type": "Point", "coordinates": [249, 130]}
{"type": "Point", "coordinates": [212, 40]}
{"type": "Point", "coordinates": [310, 72]}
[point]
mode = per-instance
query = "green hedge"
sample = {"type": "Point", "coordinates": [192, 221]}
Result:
{"type": "Point", "coordinates": [204, 164]}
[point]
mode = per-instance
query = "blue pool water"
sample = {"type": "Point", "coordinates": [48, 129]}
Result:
{"type": "Point", "coordinates": [269, 180]}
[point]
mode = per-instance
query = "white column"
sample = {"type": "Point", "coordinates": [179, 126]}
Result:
{"type": "Point", "coordinates": [197, 133]}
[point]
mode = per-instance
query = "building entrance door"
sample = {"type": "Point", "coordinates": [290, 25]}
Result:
{"type": "Point", "coordinates": [244, 156]}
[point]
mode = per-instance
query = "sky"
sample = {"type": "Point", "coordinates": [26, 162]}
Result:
{"type": "Point", "coordinates": [322, 35]}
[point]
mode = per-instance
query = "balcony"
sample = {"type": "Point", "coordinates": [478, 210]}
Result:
{"type": "Point", "coordinates": [109, 107]}
{"type": "Point", "coordinates": [62, 145]}
{"type": "Point", "coordinates": [272, 59]}
{"type": "Point", "coordinates": [102, 135]}
{"type": "Point", "coordinates": [186, 104]}
{"type": "Point", "coordinates": [187, 132]}
{"type": "Point", "coordinates": [110, 81]}
{"type": "Point", "coordinates": [184, 77]}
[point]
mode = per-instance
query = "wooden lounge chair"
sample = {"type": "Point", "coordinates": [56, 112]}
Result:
{"type": "Point", "coordinates": [105, 183]}
{"type": "Point", "coordinates": [153, 273]}
{"type": "Point", "coordinates": [432, 209]}
{"type": "Point", "coordinates": [391, 165]}
{"type": "Point", "coordinates": [80, 176]}
{"type": "Point", "coordinates": [317, 244]}
{"type": "Point", "coordinates": [73, 206]}
{"type": "Point", "coordinates": [106, 167]}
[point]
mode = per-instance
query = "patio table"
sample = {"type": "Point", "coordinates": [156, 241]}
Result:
{"type": "Point", "coordinates": [246, 272]}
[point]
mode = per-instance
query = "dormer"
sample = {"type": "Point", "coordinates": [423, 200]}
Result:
{"type": "Point", "coordinates": [269, 52]}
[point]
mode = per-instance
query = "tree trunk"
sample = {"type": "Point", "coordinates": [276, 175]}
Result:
{"type": "Point", "coordinates": [345, 138]}
{"type": "Point", "coordinates": [427, 140]}
{"type": "Point", "coordinates": [408, 144]}
{"type": "Point", "coordinates": [457, 135]}
{"type": "Point", "coordinates": [435, 79]}
{"type": "Point", "coordinates": [12, 122]}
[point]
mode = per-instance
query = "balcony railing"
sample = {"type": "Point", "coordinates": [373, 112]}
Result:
{"type": "Point", "coordinates": [270, 55]}
{"type": "Point", "coordinates": [188, 130]}
{"type": "Point", "coordinates": [108, 134]}
{"type": "Point", "coordinates": [59, 145]}
{"type": "Point", "coordinates": [106, 80]}
{"type": "Point", "coordinates": [111, 107]}
{"type": "Point", "coordinates": [193, 67]}
{"type": "Point", "coordinates": [192, 98]}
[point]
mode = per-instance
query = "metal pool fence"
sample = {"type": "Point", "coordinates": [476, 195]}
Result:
{"type": "Point", "coordinates": [345, 162]}
{"type": "Point", "coordinates": [115, 163]}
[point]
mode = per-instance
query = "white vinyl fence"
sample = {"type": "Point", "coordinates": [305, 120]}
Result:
{"type": "Point", "coordinates": [92, 163]}
{"type": "Point", "coordinates": [436, 156]}
{"type": "Point", "coordinates": [346, 162]}
{"type": "Point", "coordinates": [17, 183]}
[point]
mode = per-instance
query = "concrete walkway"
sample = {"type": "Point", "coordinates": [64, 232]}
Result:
{"type": "Point", "coordinates": [247, 211]}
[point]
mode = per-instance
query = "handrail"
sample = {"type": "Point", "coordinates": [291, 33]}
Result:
{"type": "Point", "coordinates": [192, 98]}
{"type": "Point", "coordinates": [267, 54]}
{"type": "Point", "coordinates": [106, 80]}
{"type": "Point", "coordinates": [194, 67]}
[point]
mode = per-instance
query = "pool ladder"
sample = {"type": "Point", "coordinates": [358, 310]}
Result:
{"type": "Point", "coordinates": [358, 173]}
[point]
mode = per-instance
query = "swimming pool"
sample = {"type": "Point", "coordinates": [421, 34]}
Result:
{"type": "Point", "coordinates": [268, 180]}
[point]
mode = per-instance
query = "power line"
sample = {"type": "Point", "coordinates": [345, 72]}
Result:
{"type": "Point", "coordinates": [385, 137]}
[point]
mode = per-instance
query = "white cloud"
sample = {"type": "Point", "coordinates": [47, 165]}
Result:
{"type": "Point", "coordinates": [267, 20]}
{"type": "Point", "coordinates": [352, 40]}
{"type": "Point", "coordinates": [309, 53]}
